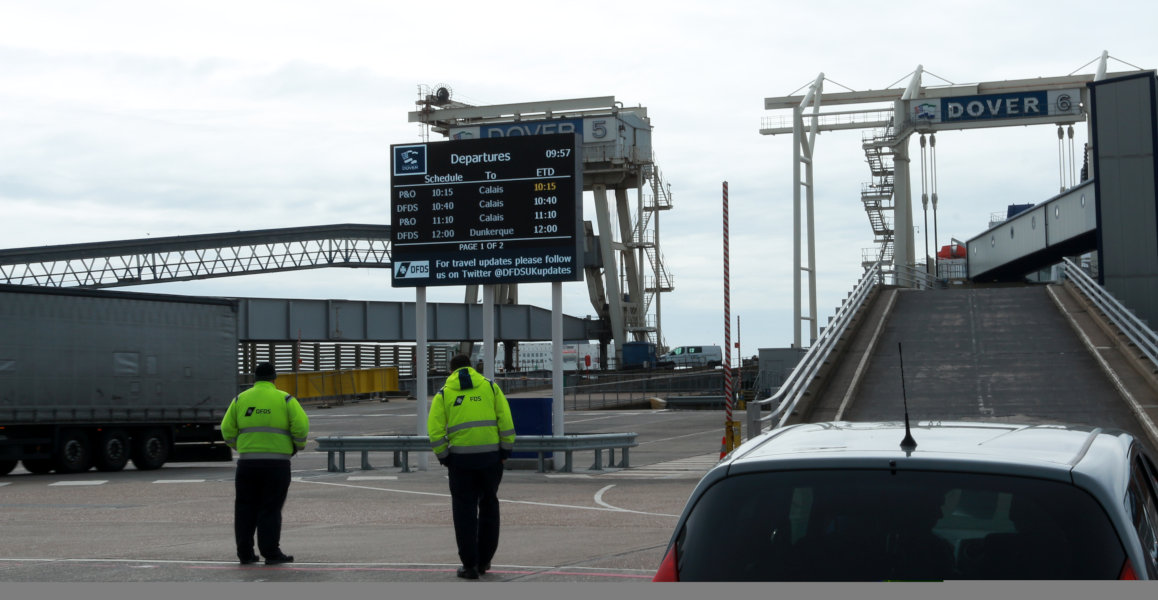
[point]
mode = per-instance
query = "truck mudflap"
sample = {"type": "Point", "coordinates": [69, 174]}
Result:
{"type": "Point", "coordinates": [16, 448]}
{"type": "Point", "coordinates": [201, 453]}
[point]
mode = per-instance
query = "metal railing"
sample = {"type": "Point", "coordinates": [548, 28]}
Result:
{"type": "Point", "coordinates": [784, 401]}
{"type": "Point", "coordinates": [952, 268]}
{"type": "Point", "coordinates": [914, 277]}
{"type": "Point", "coordinates": [1136, 331]}
{"type": "Point", "coordinates": [594, 390]}
{"type": "Point", "coordinates": [634, 389]}
{"type": "Point", "coordinates": [336, 447]}
{"type": "Point", "coordinates": [854, 119]}
{"type": "Point", "coordinates": [202, 256]}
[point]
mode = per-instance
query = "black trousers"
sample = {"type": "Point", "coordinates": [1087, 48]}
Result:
{"type": "Point", "coordinates": [261, 486]}
{"type": "Point", "coordinates": [474, 503]}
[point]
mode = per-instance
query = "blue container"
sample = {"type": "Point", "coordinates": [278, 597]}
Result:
{"type": "Point", "coordinates": [532, 416]}
{"type": "Point", "coordinates": [638, 355]}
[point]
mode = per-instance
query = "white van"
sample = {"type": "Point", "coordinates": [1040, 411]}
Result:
{"type": "Point", "coordinates": [692, 356]}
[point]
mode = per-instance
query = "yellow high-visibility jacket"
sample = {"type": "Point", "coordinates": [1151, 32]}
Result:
{"type": "Point", "coordinates": [470, 417]}
{"type": "Point", "coordinates": [265, 422]}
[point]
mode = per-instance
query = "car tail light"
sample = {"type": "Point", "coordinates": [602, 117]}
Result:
{"type": "Point", "coordinates": [1127, 571]}
{"type": "Point", "coordinates": [667, 569]}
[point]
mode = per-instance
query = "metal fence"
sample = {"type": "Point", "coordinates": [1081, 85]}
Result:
{"type": "Point", "coordinates": [598, 390]}
{"type": "Point", "coordinates": [1136, 330]}
{"type": "Point", "coordinates": [337, 356]}
{"type": "Point", "coordinates": [784, 401]}
{"type": "Point", "coordinates": [594, 391]}
{"type": "Point", "coordinates": [915, 277]}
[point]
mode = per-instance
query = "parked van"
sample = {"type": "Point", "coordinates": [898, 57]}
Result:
{"type": "Point", "coordinates": [692, 356]}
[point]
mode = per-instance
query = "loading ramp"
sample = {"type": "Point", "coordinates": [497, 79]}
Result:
{"type": "Point", "coordinates": [984, 353]}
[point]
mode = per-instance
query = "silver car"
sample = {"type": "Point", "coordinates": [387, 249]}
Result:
{"type": "Point", "coordinates": [847, 502]}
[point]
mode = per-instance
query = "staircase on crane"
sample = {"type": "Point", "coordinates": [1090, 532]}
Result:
{"type": "Point", "coordinates": [646, 234]}
{"type": "Point", "coordinates": [877, 195]}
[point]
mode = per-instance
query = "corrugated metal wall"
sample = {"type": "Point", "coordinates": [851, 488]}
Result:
{"type": "Point", "coordinates": [288, 357]}
{"type": "Point", "coordinates": [1126, 176]}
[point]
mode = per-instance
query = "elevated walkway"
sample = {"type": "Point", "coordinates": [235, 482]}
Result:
{"type": "Point", "coordinates": [1065, 225]}
{"type": "Point", "coordinates": [203, 256]}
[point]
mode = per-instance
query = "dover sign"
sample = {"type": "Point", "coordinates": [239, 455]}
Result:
{"type": "Point", "coordinates": [1019, 105]}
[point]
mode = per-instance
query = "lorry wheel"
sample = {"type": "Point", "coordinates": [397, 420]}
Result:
{"type": "Point", "coordinates": [6, 466]}
{"type": "Point", "coordinates": [38, 466]}
{"type": "Point", "coordinates": [112, 450]}
{"type": "Point", "coordinates": [74, 454]}
{"type": "Point", "coordinates": [150, 449]}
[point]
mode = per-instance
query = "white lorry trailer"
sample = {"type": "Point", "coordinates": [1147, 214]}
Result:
{"type": "Point", "coordinates": [94, 378]}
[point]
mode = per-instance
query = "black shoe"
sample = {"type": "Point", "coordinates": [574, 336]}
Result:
{"type": "Point", "coordinates": [280, 559]}
{"type": "Point", "coordinates": [467, 572]}
{"type": "Point", "coordinates": [249, 560]}
{"type": "Point", "coordinates": [482, 569]}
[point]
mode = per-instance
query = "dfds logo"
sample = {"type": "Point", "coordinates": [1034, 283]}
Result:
{"type": "Point", "coordinates": [410, 160]}
{"type": "Point", "coordinates": [413, 269]}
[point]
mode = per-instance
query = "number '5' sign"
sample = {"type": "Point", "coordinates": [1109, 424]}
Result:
{"type": "Point", "coordinates": [599, 129]}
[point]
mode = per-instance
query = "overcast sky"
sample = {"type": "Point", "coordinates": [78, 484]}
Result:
{"type": "Point", "coordinates": [132, 119]}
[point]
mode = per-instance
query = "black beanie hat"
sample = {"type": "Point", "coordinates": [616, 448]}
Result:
{"type": "Point", "coordinates": [459, 361]}
{"type": "Point", "coordinates": [265, 372]}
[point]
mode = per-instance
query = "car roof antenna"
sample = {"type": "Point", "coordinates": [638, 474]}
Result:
{"type": "Point", "coordinates": [908, 444]}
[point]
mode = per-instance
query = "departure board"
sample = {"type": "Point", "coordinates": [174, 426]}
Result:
{"type": "Point", "coordinates": [485, 211]}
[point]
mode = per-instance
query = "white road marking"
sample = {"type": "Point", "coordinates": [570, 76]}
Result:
{"type": "Point", "coordinates": [706, 431]}
{"type": "Point", "coordinates": [371, 477]}
{"type": "Point", "coordinates": [527, 502]}
{"type": "Point", "coordinates": [599, 497]}
{"type": "Point", "coordinates": [599, 501]}
{"type": "Point", "coordinates": [146, 563]}
{"type": "Point", "coordinates": [601, 418]}
{"type": "Point", "coordinates": [685, 468]}
{"type": "Point", "coordinates": [353, 416]}
{"type": "Point", "coordinates": [179, 481]}
{"type": "Point", "coordinates": [92, 482]}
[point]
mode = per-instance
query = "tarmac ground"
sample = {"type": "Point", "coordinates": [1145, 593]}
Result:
{"type": "Point", "coordinates": [381, 525]}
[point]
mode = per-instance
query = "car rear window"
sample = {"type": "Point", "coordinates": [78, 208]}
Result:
{"type": "Point", "coordinates": [870, 525]}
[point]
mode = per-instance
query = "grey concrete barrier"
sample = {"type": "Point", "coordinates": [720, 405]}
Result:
{"type": "Point", "coordinates": [676, 402]}
{"type": "Point", "coordinates": [336, 447]}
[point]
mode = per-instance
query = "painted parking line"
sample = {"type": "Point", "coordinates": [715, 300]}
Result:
{"type": "Point", "coordinates": [179, 481]}
{"type": "Point", "coordinates": [604, 507]}
{"type": "Point", "coordinates": [692, 467]}
{"type": "Point", "coordinates": [74, 483]}
{"type": "Point", "coordinates": [357, 416]}
{"type": "Point", "coordinates": [372, 478]}
{"type": "Point", "coordinates": [523, 570]}
{"type": "Point", "coordinates": [617, 415]}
